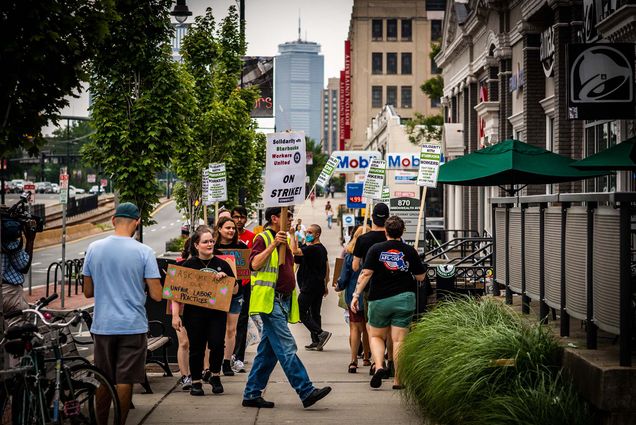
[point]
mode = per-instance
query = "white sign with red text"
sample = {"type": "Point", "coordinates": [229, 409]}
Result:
{"type": "Point", "coordinates": [285, 170]}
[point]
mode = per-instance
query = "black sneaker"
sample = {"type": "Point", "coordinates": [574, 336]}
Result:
{"type": "Point", "coordinates": [227, 368]}
{"type": "Point", "coordinates": [316, 395]}
{"type": "Point", "coordinates": [197, 389]}
{"type": "Point", "coordinates": [312, 347]}
{"type": "Point", "coordinates": [322, 339]}
{"type": "Point", "coordinates": [259, 402]}
{"type": "Point", "coordinates": [217, 387]}
{"type": "Point", "coordinates": [378, 376]}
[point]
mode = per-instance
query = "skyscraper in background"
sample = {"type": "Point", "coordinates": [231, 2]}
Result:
{"type": "Point", "coordinates": [330, 104]}
{"type": "Point", "coordinates": [298, 86]}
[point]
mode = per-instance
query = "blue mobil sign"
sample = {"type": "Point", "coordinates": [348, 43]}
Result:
{"type": "Point", "coordinates": [354, 195]}
{"type": "Point", "coordinates": [354, 161]}
{"type": "Point", "coordinates": [403, 161]}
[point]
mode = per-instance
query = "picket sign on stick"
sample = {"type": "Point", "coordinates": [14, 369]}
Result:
{"type": "Point", "coordinates": [373, 184]}
{"type": "Point", "coordinates": [283, 226]}
{"type": "Point", "coordinates": [427, 177]}
{"type": "Point", "coordinates": [205, 214]}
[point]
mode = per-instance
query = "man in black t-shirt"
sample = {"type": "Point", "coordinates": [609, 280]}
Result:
{"type": "Point", "coordinates": [390, 267]}
{"type": "Point", "coordinates": [313, 277]}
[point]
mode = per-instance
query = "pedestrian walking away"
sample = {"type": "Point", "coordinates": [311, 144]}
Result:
{"type": "Point", "coordinates": [227, 238]}
{"type": "Point", "coordinates": [389, 268]}
{"type": "Point", "coordinates": [204, 326]}
{"type": "Point", "coordinates": [347, 282]}
{"type": "Point", "coordinates": [116, 271]}
{"type": "Point", "coordinates": [239, 215]}
{"type": "Point", "coordinates": [274, 299]}
{"type": "Point", "coordinates": [329, 214]}
{"type": "Point", "coordinates": [363, 244]}
{"type": "Point", "coordinates": [313, 279]}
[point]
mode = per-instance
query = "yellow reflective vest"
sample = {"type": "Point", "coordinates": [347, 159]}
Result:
{"type": "Point", "coordinates": [264, 285]}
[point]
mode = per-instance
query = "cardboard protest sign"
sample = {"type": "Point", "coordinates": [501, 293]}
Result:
{"type": "Point", "coordinates": [217, 183]}
{"type": "Point", "coordinates": [429, 164]}
{"type": "Point", "coordinates": [337, 269]}
{"type": "Point", "coordinates": [285, 169]}
{"type": "Point", "coordinates": [242, 260]}
{"type": "Point", "coordinates": [374, 181]}
{"type": "Point", "coordinates": [195, 287]}
{"type": "Point", "coordinates": [205, 190]}
{"type": "Point", "coordinates": [327, 171]}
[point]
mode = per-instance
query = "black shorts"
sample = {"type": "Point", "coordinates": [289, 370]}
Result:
{"type": "Point", "coordinates": [121, 357]}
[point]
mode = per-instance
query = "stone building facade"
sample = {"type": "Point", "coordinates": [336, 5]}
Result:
{"type": "Point", "coordinates": [504, 66]}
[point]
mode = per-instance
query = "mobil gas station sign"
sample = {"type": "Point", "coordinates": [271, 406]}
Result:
{"type": "Point", "coordinates": [403, 161]}
{"type": "Point", "coordinates": [354, 161]}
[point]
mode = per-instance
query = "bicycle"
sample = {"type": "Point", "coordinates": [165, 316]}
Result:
{"type": "Point", "coordinates": [67, 397]}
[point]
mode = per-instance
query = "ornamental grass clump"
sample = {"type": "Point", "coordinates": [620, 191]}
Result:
{"type": "Point", "coordinates": [465, 355]}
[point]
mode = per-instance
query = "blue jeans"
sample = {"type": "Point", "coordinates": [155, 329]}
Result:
{"type": "Point", "coordinates": [277, 345]}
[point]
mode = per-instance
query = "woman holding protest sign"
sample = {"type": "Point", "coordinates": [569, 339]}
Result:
{"type": "Point", "coordinates": [227, 239]}
{"type": "Point", "coordinates": [203, 325]}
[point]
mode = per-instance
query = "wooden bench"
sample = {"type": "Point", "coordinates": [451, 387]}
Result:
{"type": "Point", "coordinates": [157, 342]}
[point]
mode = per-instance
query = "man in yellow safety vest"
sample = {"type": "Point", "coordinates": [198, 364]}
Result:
{"type": "Point", "coordinates": [274, 299]}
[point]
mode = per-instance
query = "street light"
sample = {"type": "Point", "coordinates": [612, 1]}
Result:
{"type": "Point", "coordinates": [181, 11]}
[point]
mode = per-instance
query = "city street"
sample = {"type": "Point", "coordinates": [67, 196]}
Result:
{"type": "Point", "coordinates": [168, 226]}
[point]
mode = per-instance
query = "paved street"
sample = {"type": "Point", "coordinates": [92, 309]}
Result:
{"type": "Point", "coordinates": [352, 401]}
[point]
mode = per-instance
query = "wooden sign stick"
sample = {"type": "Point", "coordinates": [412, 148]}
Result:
{"type": "Point", "coordinates": [283, 227]}
{"type": "Point", "coordinates": [205, 214]}
{"type": "Point", "coordinates": [419, 219]}
{"type": "Point", "coordinates": [366, 217]}
{"type": "Point", "coordinates": [216, 213]}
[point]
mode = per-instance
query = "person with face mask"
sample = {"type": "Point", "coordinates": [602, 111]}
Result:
{"type": "Point", "coordinates": [313, 278]}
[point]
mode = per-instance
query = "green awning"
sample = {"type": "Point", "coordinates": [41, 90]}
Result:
{"type": "Point", "coordinates": [511, 162]}
{"type": "Point", "coordinates": [618, 157]}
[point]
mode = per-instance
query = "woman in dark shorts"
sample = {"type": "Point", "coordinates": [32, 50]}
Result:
{"type": "Point", "coordinates": [227, 238]}
{"type": "Point", "coordinates": [357, 323]}
{"type": "Point", "coordinates": [391, 267]}
{"type": "Point", "coordinates": [204, 326]}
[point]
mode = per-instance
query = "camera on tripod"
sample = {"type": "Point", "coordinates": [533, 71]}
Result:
{"type": "Point", "coordinates": [17, 220]}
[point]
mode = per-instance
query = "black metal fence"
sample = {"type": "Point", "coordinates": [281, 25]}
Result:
{"type": "Point", "coordinates": [78, 206]}
{"type": "Point", "coordinates": [573, 253]}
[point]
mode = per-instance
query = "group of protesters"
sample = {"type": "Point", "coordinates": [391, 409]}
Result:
{"type": "Point", "coordinates": [377, 280]}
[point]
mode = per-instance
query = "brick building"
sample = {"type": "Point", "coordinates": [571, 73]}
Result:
{"type": "Point", "coordinates": [504, 67]}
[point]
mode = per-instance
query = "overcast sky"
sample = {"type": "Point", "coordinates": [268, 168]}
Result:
{"type": "Point", "coordinates": [272, 22]}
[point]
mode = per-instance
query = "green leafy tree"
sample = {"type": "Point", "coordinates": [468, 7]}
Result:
{"type": "Point", "coordinates": [44, 54]}
{"type": "Point", "coordinates": [319, 157]}
{"type": "Point", "coordinates": [143, 103]}
{"type": "Point", "coordinates": [422, 127]}
{"type": "Point", "coordinates": [223, 128]}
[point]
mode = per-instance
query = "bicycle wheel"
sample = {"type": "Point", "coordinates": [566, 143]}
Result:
{"type": "Point", "coordinates": [27, 405]}
{"type": "Point", "coordinates": [79, 397]}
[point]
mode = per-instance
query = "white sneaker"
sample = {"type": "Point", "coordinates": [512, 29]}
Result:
{"type": "Point", "coordinates": [238, 366]}
{"type": "Point", "coordinates": [186, 383]}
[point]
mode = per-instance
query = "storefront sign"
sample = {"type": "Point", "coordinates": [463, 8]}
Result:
{"type": "Point", "coordinates": [600, 81]}
{"type": "Point", "coordinates": [259, 71]}
{"type": "Point", "coordinates": [406, 177]}
{"type": "Point", "coordinates": [285, 169]}
{"type": "Point", "coordinates": [546, 51]}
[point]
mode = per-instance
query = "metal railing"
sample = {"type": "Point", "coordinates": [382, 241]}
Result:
{"type": "Point", "coordinates": [78, 206]}
{"type": "Point", "coordinates": [572, 253]}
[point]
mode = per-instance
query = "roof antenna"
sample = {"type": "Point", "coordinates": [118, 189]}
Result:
{"type": "Point", "coordinates": [299, 24]}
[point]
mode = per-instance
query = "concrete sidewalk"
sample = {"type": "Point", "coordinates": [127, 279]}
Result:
{"type": "Point", "coordinates": [352, 401]}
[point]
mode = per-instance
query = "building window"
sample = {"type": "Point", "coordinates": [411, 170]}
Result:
{"type": "Point", "coordinates": [391, 95]}
{"type": "Point", "coordinates": [436, 30]}
{"type": "Point", "coordinates": [436, 5]}
{"type": "Point", "coordinates": [435, 102]}
{"type": "Point", "coordinates": [434, 68]}
{"type": "Point", "coordinates": [406, 96]}
{"type": "Point", "coordinates": [376, 63]}
{"type": "Point", "coordinates": [600, 136]}
{"type": "Point", "coordinates": [376, 96]}
{"type": "Point", "coordinates": [391, 29]}
{"type": "Point", "coordinates": [391, 63]}
{"type": "Point", "coordinates": [376, 30]}
{"type": "Point", "coordinates": [407, 65]}
{"type": "Point", "coordinates": [407, 29]}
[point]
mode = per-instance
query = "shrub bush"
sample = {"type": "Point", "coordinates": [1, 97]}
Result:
{"type": "Point", "coordinates": [175, 245]}
{"type": "Point", "coordinates": [474, 361]}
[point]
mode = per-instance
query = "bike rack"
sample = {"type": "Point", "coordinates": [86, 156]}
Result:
{"type": "Point", "coordinates": [72, 274]}
{"type": "Point", "coordinates": [58, 266]}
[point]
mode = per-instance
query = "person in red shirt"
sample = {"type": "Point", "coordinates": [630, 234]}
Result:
{"type": "Point", "coordinates": [239, 215]}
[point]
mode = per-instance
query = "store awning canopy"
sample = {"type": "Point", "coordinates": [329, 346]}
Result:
{"type": "Point", "coordinates": [510, 163]}
{"type": "Point", "coordinates": [619, 157]}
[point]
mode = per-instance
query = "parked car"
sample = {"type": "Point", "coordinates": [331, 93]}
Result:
{"type": "Point", "coordinates": [77, 190]}
{"type": "Point", "coordinates": [94, 188]}
{"type": "Point", "coordinates": [55, 187]}
{"type": "Point", "coordinates": [17, 184]}
{"type": "Point", "coordinates": [43, 187]}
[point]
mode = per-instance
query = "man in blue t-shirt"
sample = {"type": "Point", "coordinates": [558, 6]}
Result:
{"type": "Point", "coordinates": [116, 270]}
